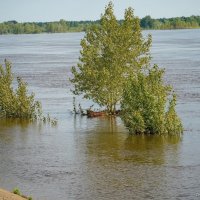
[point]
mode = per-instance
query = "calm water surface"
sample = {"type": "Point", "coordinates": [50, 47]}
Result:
{"type": "Point", "coordinates": [96, 158]}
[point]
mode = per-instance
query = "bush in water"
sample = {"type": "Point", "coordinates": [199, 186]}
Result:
{"type": "Point", "coordinates": [148, 105]}
{"type": "Point", "coordinates": [16, 103]}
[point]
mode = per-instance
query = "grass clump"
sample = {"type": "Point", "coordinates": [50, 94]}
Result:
{"type": "Point", "coordinates": [18, 192]}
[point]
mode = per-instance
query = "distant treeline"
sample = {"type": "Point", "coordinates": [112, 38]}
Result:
{"type": "Point", "coordinates": [62, 26]}
{"type": "Point", "coordinates": [170, 23]}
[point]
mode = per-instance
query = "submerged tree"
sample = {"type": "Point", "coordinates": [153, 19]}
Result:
{"type": "Point", "coordinates": [115, 67]}
{"type": "Point", "coordinates": [16, 103]}
{"type": "Point", "coordinates": [148, 105]}
{"type": "Point", "coordinates": [111, 53]}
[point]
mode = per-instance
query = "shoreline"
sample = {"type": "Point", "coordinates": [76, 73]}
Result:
{"type": "Point", "coordinates": [172, 29]}
{"type": "Point", "coordinates": [6, 195]}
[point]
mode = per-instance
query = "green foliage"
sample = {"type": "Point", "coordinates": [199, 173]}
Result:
{"type": "Point", "coordinates": [170, 23]}
{"type": "Point", "coordinates": [147, 22]}
{"type": "Point", "coordinates": [115, 66]}
{"type": "Point", "coordinates": [16, 103]}
{"type": "Point", "coordinates": [62, 26]}
{"type": "Point", "coordinates": [111, 52]}
{"type": "Point", "coordinates": [148, 105]}
{"type": "Point", "coordinates": [17, 191]}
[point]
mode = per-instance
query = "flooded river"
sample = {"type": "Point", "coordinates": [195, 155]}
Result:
{"type": "Point", "coordinates": [96, 158]}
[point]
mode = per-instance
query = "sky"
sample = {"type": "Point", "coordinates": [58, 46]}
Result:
{"type": "Point", "coordinates": [54, 10]}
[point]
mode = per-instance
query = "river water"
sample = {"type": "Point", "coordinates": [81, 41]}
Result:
{"type": "Point", "coordinates": [96, 158]}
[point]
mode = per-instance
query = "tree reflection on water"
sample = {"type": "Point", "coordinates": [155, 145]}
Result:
{"type": "Point", "coordinates": [109, 140]}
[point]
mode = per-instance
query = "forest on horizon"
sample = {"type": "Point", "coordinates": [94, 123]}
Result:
{"type": "Point", "coordinates": [62, 26]}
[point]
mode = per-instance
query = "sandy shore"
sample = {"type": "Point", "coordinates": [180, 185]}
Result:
{"type": "Point", "coordinates": [5, 195]}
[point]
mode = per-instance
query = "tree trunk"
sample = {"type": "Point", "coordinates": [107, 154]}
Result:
{"type": "Point", "coordinates": [111, 108]}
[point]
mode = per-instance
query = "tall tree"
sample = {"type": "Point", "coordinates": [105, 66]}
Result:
{"type": "Point", "coordinates": [111, 53]}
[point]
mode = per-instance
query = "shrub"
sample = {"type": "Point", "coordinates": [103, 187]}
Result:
{"type": "Point", "coordinates": [16, 103]}
{"type": "Point", "coordinates": [148, 105]}
{"type": "Point", "coordinates": [17, 191]}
